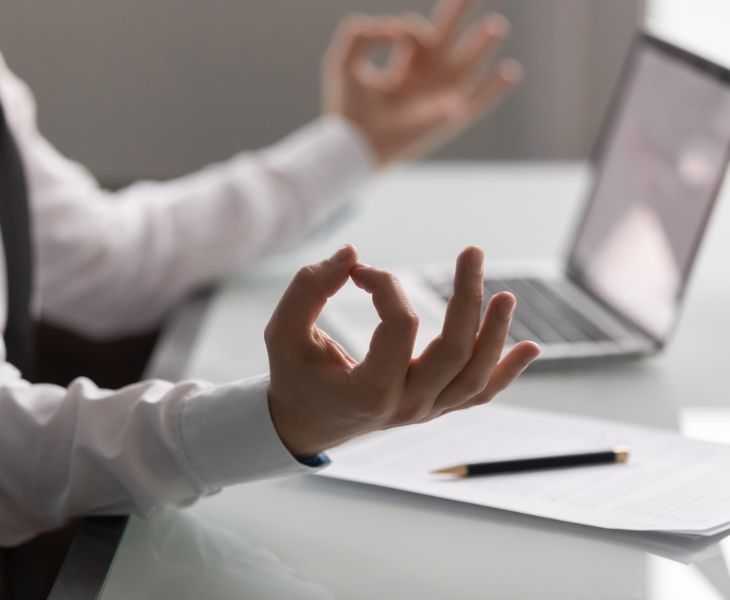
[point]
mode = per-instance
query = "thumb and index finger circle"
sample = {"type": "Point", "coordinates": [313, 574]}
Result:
{"type": "Point", "coordinates": [309, 291]}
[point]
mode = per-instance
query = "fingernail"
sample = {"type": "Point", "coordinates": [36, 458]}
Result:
{"type": "Point", "coordinates": [476, 260]}
{"type": "Point", "coordinates": [510, 70]}
{"type": "Point", "coordinates": [341, 255]}
{"type": "Point", "coordinates": [506, 308]}
{"type": "Point", "coordinates": [497, 25]}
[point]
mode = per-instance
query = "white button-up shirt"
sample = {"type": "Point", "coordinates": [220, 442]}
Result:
{"type": "Point", "coordinates": [113, 262]}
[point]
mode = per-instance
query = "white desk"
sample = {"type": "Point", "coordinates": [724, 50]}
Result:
{"type": "Point", "coordinates": [365, 543]}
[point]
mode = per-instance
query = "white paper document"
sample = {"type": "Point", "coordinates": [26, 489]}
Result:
{"type": "Point", "coordinates": [670, 484]}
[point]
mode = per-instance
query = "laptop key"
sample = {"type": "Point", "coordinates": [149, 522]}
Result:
{"type": "Point", "coordinates": [542, 314]}
{"type": "Point", "coordinates": [592, 331]}
{"type": "Point", "coordinates": [560, 316]}
{"type": "Point", "coordinates": [520, 333]}
{"type": "Point", "coordinates": [526, 315]}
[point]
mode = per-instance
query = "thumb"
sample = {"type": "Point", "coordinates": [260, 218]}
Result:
{"type": "Point", "coordinates": [308, 292]}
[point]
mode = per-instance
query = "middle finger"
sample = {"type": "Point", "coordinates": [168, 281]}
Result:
{"type": "Point", "coordinates": [479, 45]}
{"type": "Point", "coordinates": [447, 18]}
{"type": "Point", "coordinates": [446, 356]}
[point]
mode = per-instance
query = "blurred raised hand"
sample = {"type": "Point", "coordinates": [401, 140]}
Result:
{"type": "Point", "coordinates": [438, 78]}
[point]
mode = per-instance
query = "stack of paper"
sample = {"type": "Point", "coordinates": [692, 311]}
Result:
{"type": "Point", "coordinates": [671, 484]}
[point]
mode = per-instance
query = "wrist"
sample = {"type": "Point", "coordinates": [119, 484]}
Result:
{"type": "Point", "coordinates": [366, 137]}
{"type": "Point", "coordinates": [292, 431]}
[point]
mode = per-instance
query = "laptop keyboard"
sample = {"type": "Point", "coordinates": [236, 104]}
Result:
{"type": "Point", "coordinates": [542, 313]}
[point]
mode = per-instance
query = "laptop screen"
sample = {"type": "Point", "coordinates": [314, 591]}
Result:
{"type": "Point", "coordinates": [662, 161]}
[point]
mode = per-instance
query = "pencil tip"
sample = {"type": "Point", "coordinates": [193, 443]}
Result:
{"type": "Point", "coordinates": [459, 471]}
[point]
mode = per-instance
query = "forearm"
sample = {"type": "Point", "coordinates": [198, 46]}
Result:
{"type": "Point", "coordinates": [114, 263]}
{"type": "Point", "coordinates": [82, 450]}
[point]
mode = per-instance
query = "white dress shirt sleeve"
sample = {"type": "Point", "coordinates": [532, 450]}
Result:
{"type": "Point", "coordinates": [85, 451]}
{"type": "Point", "coordinates": [114, 262]}
{"type": "Point", "coordinates": [110, 263]}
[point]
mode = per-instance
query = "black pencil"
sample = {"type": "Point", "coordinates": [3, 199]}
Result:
{"type": "Point", "coordinates": [620, 454]}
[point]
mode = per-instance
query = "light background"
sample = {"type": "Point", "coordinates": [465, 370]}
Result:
{"type": "Point", "coordinates": [153, 88]}
{"type": "Point", "coordinates": [700, 25]}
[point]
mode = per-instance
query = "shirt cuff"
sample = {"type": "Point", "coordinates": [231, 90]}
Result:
{"type": "Point", "coordinates": [327, 159]}
{"type": "Point", "coordinates": [229, 437]}
{"type": "Point", "coordinates": [316, 462]}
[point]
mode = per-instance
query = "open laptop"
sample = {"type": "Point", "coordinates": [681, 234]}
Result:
{"type": "Point", "coordinates": [661, 160]}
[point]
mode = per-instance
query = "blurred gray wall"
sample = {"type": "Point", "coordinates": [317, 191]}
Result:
{"type": "Point", "coordinates": [152, 88]}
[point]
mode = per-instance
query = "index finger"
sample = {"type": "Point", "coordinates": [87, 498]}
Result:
{"type": "Point", "coordinates": [448, 16]}
{"type": "Point", "coordinates": [358, 35]}
{"type": "Point", "coordinates": [391, 347]}
{"type": "Point", "coordinates": [307, 294]}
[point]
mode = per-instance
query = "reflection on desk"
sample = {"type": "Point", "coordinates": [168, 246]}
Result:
{"type": "Point", "coordinates": [204, 560]}
{"type": "Point", "coordinates": [184, 556]}
{"type": "Point", "coordinates": [359, 542]}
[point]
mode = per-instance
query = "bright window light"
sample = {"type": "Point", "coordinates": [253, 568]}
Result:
{"type": "Point", "coordinates": [699, 25]}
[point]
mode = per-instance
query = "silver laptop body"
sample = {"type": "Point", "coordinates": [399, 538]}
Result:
{"type": "Point", "coordinates": [659, 166]}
